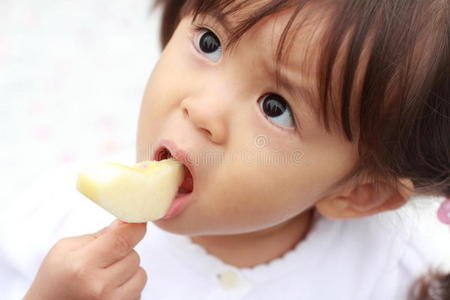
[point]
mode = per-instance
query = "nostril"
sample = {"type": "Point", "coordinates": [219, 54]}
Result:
{"type": "Point", "coordinates": [206, 131]}
{"type": "Point", "coordinates": [199, 123]}
{"type": "Point", "coordinates": [185, 112]}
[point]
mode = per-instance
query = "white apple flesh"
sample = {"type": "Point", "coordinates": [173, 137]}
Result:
{"type": "Point", "coordinates": [133, 194]}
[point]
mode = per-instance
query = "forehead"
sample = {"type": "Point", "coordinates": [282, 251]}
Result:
{"type": "Point", "coordinates": [288, 50]}
{"type": "Point", "coordinates": [301, 42]}
{"type": "Point", "coordinates": [289, 36]}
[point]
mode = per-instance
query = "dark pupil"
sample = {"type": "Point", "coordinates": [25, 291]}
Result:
{"type": "Point", "coordinates": [274, 105]}
{"type": "Point", "coordinates": [209, 42]}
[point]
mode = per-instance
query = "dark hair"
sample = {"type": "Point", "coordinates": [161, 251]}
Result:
{"type": "Point", "coordinates": [401, 99]}
{"type": "Point", "coordinates": [404, 109]}
{"type": "Point", "coordinates": [434, 286]}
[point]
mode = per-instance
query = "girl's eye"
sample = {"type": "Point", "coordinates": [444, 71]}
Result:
{"type": "Point", "coordinates": [209, 45]}
{"type": "Point", "coordinates": [277, 110]}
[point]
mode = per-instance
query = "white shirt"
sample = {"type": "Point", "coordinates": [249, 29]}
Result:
{"type": "Point", "coordinates": [369, 258]}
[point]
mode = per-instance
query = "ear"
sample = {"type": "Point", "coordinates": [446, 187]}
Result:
{"type": "Point", "coordinates": [365, 199]}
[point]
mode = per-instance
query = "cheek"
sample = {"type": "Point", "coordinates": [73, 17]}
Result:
{"type": "Point", "coordinates": [246, 196]}
{"type": "Point", "coordinates": [329, 160]}
{"type": "Point", "coordinates": [271, 186]}
{"type": "Point", "coordinates": [160, 87]}
{"type": "Point", "coordinates": [150, 115]}
{"type": "Point", "coordinates": [160, 98]}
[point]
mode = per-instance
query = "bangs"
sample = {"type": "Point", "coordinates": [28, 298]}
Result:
{"type": "Point", "coordinates": [378, 65]}
{"type": "Point", "coordinates": [340, 52]}
{"type": "Point", "coordinates": [238, 17]}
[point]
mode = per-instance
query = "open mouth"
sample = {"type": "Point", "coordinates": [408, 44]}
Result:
{"type": "Point", "coordinates": [187, 185]}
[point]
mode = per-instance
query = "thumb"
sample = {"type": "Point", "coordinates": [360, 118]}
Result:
{"type": "Point", "coordinates": [76, 242]}
{"type": "Point", "coordinates": [105, 229]}
{"type": "Point", "coordinates": [115, 243]}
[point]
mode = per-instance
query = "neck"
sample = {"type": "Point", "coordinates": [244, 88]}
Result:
{"type": "Point", "coordinates": [250, 249]}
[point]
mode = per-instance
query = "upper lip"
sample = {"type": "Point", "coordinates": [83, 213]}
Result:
{"type": "Point", "coordinates": [177, 153]}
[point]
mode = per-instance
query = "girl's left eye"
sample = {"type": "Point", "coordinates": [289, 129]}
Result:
{"type": "Point", "coordinates": [277, 110]}
{"type": "Point", "coordinates": [208, 44]}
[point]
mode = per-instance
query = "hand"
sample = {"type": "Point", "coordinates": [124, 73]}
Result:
{"type": "Point", "coordinates": [102, 265]}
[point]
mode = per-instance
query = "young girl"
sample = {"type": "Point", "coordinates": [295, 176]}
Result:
{"type": "Point", "coordinates": [300, 121]}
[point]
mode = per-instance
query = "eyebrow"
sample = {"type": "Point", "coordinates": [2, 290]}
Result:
{"type": "Point", "coordinates": [207, 18]}
{"type": "Point", "coordinates": [300, 94]}
{"type": "Point", "coordinates": [224, 23]}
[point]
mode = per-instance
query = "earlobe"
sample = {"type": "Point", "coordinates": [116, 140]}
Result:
{"type": "Point", "coordinates": [365, 199]}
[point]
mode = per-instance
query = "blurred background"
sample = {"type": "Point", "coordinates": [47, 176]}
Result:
{"type": "Point", "coordinates": [72, 75]}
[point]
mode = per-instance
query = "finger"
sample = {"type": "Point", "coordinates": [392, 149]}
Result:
{"type": "Point", "coordinates": [76, 242]}
{"type": "Point", "coordinates": [114, 244]}
{"type": "Point", "coordinates": [133, 287]}
{"type": "Point", "coordinates": [122, 270]}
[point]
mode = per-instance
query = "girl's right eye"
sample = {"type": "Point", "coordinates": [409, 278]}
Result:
{"type": "Point", "coordinates": [208, 44]}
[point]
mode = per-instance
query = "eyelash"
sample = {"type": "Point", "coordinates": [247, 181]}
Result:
{"type": "Point", "coordinates": [196, 28]}
{"type": "Point", "coordinates": [284, 129]}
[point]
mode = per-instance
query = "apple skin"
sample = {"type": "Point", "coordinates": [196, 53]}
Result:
{"type": "Point", "coordinates": [133, 194]}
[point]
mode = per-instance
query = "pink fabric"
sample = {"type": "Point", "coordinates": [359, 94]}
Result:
{"type": "Point", "coordinates": [443, 213]}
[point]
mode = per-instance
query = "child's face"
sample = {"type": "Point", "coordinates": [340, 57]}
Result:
{"type": "Point", "coordinates": [210, 104]}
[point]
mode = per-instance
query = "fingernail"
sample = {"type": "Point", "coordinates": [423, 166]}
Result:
{"type": "Point", "coordinates": [115, 223]}
{"type": "Point", "coordinates": [122, 222]}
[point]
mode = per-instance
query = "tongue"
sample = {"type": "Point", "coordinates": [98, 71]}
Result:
{"type": "Point", "coordinates": [187, 184]}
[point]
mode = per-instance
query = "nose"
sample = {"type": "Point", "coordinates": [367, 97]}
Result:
{"type": "Point", "coordinates": [208, 116]}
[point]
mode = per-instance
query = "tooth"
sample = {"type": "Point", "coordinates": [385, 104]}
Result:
{"type": "Point", "coordinates": [133, 194]}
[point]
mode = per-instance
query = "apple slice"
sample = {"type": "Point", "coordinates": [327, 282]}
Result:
{"type": "Point", "coordinates": [133, 194]}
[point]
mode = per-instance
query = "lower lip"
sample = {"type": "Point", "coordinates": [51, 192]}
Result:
{"type": "Point", "coordinates": [178, 204]}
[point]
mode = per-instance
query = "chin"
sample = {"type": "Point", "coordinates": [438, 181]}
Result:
{"type": "Point", "coordinates": [184, 225]}
{"type": "Point", "coordinates": [180, 224]}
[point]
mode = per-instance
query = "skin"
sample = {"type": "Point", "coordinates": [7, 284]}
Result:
{"type": "Point", "coordinates": [102, 265]}
{"type": "Point", "coordinates": [239, 213]}
{"type": "Point", "coordinates": [244, 211]}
